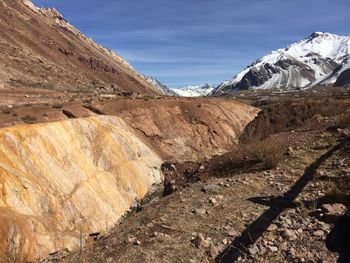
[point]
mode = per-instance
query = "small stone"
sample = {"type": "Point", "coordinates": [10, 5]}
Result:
{"type": "Point", "coordinates": [290, 234]}
{"type": "Point", "coordinates": [273, 248]}
{"type": "Point", "coordinates": [213, 201]}
{"type": "Point", "coordinates": [137, 243]}
{"type": "Point", "coordinates": [253, 250]}
{"type": "Point", "coordinates": [291, 151]}
{"type": "Point", "coordinates": [272, 227]}
{"type": "Point", "coordinates": [199, 241]}
{"type": "Point", "coordinates": [232, 233]}
{"type": "Point", "coordinates": [334, 209]}
{"type": "Point", "coordinates": [150, 225]}
{"type": "Point", "coordinates": [225, 241]}
{"type": "Point", "coordinates": [131, 240]}
{"type": "Point", "coordinates": [199, 211]}
{"type": "Point", "coordinates": [319, 233]}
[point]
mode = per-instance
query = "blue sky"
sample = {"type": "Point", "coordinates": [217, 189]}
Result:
{"type": "Point", "coordinates": [189, 42]}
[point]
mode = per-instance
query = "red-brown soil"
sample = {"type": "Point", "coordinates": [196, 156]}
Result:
{"type": "Point", "coordinates": [178, 129]}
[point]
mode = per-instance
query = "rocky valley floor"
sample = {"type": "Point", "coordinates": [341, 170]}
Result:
{"type": "Point", "coordinates": [269, 195]}
{"type": "Point", "coordinates": [222, 214]}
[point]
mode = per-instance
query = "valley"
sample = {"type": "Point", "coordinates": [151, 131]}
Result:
{"type": "Point", "coordinates": [234, 207]}
{"type": "Point", "coordinates": [101, 163]}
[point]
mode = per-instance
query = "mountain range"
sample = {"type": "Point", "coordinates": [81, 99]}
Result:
{"type": "Point", "coordinates": [194, 91]}
{"type": "Point", "coordinates": [161, 87]}
{"type": "Point", "coordinates": [319, 59]}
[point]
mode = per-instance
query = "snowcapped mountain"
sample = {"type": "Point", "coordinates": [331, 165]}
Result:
{"type": "Point", "coordinates": [315, 60]}
{"type": "Point", "coordinates": [333, 76]}
{"type": "Point", "coordinates": [194, 91]}
{"type": "Point", "coordinates": [159, 86]}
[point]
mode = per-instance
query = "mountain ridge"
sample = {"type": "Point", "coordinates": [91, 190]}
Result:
{"type": "Point", "coordinates": [161, 87]}
{"type": "Point", "coordinates": [194, 91]}
{"type": "Point", "coordinates": [39, 48]}
{"type": "Point", "coordinates": [299, 65]}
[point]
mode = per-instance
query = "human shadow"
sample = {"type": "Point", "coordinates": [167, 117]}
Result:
{"type": "Point", "coordinates": [255, 230]}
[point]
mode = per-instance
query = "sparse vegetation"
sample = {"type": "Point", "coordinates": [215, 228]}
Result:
{"type": "Point", "coordinates": [49, 85]}
{"type": "Point", "coordinates": [270, 153]}
{"type": "Point", "coordinates": [29, 119]}
{"type": "Point", "coordinates": [345, 121]}
{"type": "Point", "coordinates": [6, 111]}
{"type": "Point", "coordinates": [57, 106]}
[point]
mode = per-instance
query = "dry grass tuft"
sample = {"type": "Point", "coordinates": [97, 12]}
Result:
{"type": "Point", "coordinates": [29, 119]}
{"type": "Point", "coordinates": [270, 153]}
{"type": "Point", "coordinates": [345, 121]}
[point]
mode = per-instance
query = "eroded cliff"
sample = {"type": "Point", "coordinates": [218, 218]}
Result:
{"type": "Point", "coordinates": [57, 178]}
{"type": "Point", "coordinates": [186, 129]}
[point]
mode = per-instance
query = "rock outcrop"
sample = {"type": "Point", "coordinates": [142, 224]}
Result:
{"type": "Point", "coordinates": [344, 78]}
{"type": "Point", "coordinates": [58, 178]}
{"type": "Point", "coordinates": [184, 129]}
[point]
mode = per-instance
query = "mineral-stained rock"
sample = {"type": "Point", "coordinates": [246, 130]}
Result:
{"type": "Point", "coordinates": [62, 177]}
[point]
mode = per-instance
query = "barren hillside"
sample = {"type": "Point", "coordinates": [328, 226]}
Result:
{"type": "Point", "coordinates": [39, 48]}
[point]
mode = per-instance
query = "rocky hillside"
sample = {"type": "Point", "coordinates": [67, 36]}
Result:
{"type": "Point", "coordinates": [312, 61]}
{"type": "Point", "coordinates": [39, 48]}
{"type": "Point", "coordinates": [61, 177]}
{"type": "Point", "coordinates": [184, 129]}
{"type": "Point", "coordinates": [200, 127]}
{"type": "Point", "coordinates": [83, 165]}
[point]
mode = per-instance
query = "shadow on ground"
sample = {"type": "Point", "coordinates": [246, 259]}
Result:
{"type": "Point", "coordinates": [277, 205]}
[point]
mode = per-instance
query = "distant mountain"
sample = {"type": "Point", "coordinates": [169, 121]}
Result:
{"type": "Point", "coordinates": [194, 91]}
{"type": "Point", "coordinates": [161, 87]}
{"type": "Point", "coordinates": [315, 60]}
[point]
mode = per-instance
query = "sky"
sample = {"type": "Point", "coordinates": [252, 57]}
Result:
{"type": "Point", "coordinates": [190, 42]}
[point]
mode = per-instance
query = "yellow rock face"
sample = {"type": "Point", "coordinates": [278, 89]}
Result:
{"type": "Point", "coordinates": [57, 178]}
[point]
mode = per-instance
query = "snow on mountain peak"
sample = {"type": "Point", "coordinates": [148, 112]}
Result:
{"type": "Point", "coordinates": [159, 86]}
{"type": "Point", "coordinates": [194, 91]}
{"type": "Point", "coordinates": [296, 66]}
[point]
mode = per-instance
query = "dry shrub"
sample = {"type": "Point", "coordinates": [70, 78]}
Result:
{"type": "Point", "coordinates": [57, 106]}
{"type": "Point", "coordinates": [10, 259]}
{"type": "Point", "coordinates": [6, 111]}
{"type": "Point", "coordinates": [307, 160]}
{"type": "Point", "coordinates": [340, 189]}
{"type": "Point", "coordinates": [269, 152]}
{"type": "Point", "coordinates": [29, 119]}
{"type": "Point", "coordinates": [345, 121]}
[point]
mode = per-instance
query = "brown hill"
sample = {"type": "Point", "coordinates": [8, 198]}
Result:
{"type": "Point", "coordinates": [39, 48]}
